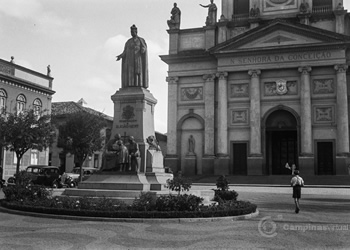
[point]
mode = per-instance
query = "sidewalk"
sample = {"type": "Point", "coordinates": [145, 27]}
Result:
{"type": "Point", "coordinates": [335, 181]}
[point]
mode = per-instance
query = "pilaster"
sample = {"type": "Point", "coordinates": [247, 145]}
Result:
{"type": "Point", "coordinates": [342, 111]}
{"type": "Point", "coordinates": [172, 119]}
{"type": "Point", "coordinates": [305, 110]}
{"type": "Point", "coordinates": [209, 100]}
{"type": "Point", "coordinates": [222, 115]}
{"type": "Point", "coordinates": [255, 120]}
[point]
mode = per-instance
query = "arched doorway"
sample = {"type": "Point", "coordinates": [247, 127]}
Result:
{"type": "Point", "coordinates": [281, 129]}
{"type": "Point", "coordinates": [191, 126]}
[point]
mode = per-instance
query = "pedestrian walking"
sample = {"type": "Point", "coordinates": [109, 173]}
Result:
{"type": "Point", "coordinates": [297, 182]}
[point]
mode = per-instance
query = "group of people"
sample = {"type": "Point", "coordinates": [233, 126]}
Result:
{"type": "Point", "coordinates": [119, 157]}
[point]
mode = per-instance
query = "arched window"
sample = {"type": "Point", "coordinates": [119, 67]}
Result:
{"type": "Point", "coordinates": [3, 98]}
{"type": "Point", "coordinates": [21, 103]}
{"type": "Point", "coordinates": [37, 106]}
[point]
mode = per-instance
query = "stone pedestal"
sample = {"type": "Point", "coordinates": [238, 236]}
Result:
{"type": "Point", "coordinates": [190, 167]}
{"type": "Point", "coordinates": [133, 116]}
{"type": "Point", "coordinates": [155, 172]}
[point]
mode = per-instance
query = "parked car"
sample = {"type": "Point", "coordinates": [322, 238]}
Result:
{"type": "Point", "coordinates": [87, 172]}
{"type": "Point", "coordinates": [40, 175]}
{"type": "Point", "coordinates": [43, 174]}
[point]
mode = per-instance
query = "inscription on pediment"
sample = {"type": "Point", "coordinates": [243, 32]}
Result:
{"type": "Point", "coordinates": [323, 86]}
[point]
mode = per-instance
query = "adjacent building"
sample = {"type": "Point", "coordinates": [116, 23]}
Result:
{"type": "Point", "coordinates": [66, 161]}
{"type": "Point", "coordinates": [22, 88]}
{"type": "Point", "coordinates": [263, 86]}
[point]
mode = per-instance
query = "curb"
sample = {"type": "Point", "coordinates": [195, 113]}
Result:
{"type": "Point", "coordinates": [273, 185]}
{"type": "Point", "coordinates": [131, 220]}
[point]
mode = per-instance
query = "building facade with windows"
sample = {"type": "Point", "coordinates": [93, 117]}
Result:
{"type": "Point", "coordinates": [20, 89]}
{"type": "Point", "coordinates": [66, 162]}
{"type": "Point", "coordinates": [263, 86]}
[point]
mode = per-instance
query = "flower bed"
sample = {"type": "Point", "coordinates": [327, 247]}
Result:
{"type": "Point", "coordinates": [40, 200]}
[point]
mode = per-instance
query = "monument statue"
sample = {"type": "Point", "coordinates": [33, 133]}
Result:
{"type": "Point", "coordinates": [304, 7]}
{"type": "Point", "coordinates": [153, 143]}
{"type": "Point", "coordinates": [134, 61]}
{"type": "Point", "coordinates": [134, 154]}
{"type": "Point", "coordinates": [109, 158]}
{"type": "Point", "coordinates": [212, 9]}
{"type": "Point", "coordinates": [122, 157]}
{"type": "Point", "coordinates": [191, 144]}
{"type": "Point", "coordinates": [175, 19]}
{"type": "Point", "coordinates": [254, 12]}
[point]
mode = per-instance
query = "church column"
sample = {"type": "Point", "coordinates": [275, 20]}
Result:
{"type": "Point", "coordinates": [342, 111]}
{"type": "Point", "coordinates": [171, 158]}
{"type": "Point", "coordinates": [255, 117]}
{"type": "Point", "coordinates": [209, 113]}
{"type": "Point", "coordinates": [305, 111]}
{"type": "Point", "coordinates": [222, 114]}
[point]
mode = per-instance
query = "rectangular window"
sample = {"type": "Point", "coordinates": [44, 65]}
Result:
{"type": "Point", "coordinates": [34, 156]}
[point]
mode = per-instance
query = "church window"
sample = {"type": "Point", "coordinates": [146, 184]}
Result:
{"type": "Point", "coordinates": [3, 98]}
{"type": "Point", "coordinates": [21, 103]}
{"type": "Point", "coordinates": [37, 106]}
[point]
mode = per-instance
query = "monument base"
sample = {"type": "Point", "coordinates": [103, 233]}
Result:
{"type": "Point", "coordinates": [116, 181]}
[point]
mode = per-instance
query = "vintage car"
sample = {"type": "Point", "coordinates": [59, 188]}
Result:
{"type": "Point", "coordinates": [43, 174]}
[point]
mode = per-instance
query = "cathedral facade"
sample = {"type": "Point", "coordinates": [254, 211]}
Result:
{"type": "Point", "coordinates": [260, 89]}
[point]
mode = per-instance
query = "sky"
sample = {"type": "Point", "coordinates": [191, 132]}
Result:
{"type": "Point", "coordinates": [80, 40]}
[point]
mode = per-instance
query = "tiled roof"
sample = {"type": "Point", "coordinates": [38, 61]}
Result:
{"type": "Point", "coordinates": [63, 108]}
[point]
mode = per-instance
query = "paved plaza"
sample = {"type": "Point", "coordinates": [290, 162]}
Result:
{"type": "Point", "coordinates": [323, 223]}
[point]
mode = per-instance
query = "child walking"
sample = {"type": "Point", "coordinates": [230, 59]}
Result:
{"type": "Point", "coordinates": [297, 182]}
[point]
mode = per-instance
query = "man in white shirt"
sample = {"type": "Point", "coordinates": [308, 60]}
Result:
{"type": "Point", "coordinates": [297, 182]}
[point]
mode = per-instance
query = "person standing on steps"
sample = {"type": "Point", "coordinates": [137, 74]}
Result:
{"type": "Point", "coordinates": [297, 182]}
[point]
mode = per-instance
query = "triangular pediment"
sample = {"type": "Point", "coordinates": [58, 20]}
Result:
{"type": "Point", "coordinates": [279, 34]}
{"type": "Point", "coordinates": [279, 38]}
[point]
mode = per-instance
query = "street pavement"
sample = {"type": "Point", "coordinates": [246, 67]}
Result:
{"type": "Point", "coordinates": [323, 223]}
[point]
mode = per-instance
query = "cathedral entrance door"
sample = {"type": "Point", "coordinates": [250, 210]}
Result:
{"type": "Point", "coordinates": [283, 149]}
{"type": "Point", "coordinates": [281, 142]}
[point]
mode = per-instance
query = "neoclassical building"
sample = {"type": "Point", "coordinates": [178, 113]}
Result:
{"type": "Point", "coordinates": [263, 86]}
{"type": "Point", "coordinates": [20, 89]}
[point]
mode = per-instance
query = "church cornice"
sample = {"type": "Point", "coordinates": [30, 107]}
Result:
{"type": "Point", "coordinates": [188, 56]}
{"type": "Point", "coordinates": [285, 49]}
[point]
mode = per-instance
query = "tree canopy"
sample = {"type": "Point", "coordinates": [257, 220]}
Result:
{"type": "Point", "coordinates": [80, 135]}
{"type": "Point", "coordinates": [25, 130]}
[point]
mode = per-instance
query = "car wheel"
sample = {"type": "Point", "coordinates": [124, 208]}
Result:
{"type": "Point", "coordinates": [72, 184]}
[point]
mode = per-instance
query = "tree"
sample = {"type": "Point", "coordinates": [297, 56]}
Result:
{"type": "Point", "coordinates": [25, 130]}
{"type": "Point", "coordinates": [80, 135]}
